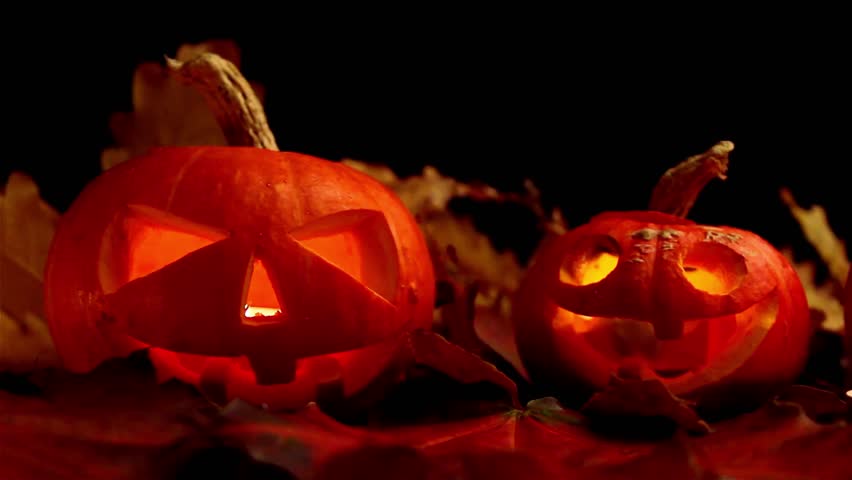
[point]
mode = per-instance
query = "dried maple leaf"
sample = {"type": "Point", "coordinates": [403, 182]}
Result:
{"type": "Point", "coordinates": [115, 422]}
{"type": "Point", "coordinates": [432, 377]}
{"type": "Point", "coordinates": [541, 440]}
{"type": "Point", "coordinates": [778, 441]}
{"type": "Point", "coordinates": [823, 299]}
{"type": "Point", "coordinates": [815, 226]}
{"type": "Point", "coordinates": [452, 449]}
{"type": "Point", "coordinates": [645, 399]}
{"type": "Point", "coordinates": [27, 224]}
{"type": "Point", "coordinates": [166, 111]}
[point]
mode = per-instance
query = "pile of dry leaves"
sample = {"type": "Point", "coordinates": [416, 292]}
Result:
{"type": "Point", "coordinates": [481, 419]}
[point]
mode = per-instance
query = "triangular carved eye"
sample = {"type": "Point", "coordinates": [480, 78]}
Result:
{"type": "Point", "coordinates": [358, 242]}
{"type": "Point", "coordinates": [144, 240]}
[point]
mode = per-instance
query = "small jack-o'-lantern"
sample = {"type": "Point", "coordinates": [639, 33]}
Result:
{"type": "Point", "coordinates": [255, 272]}
{"type": "Point", "coordinates": [715, 313]}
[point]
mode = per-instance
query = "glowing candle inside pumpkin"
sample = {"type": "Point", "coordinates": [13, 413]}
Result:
{"type": "Point", "coordinates": [260, 292]}
{"type": "Point", "coordinates": [593, 270]}
{"type": "Point", "coordinates": [705, 280]}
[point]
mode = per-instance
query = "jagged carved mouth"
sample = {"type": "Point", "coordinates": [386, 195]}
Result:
{"type": "Point", "coordinates": [708, 346]}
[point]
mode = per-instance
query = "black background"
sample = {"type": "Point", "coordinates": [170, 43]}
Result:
{"type": "Point", "coordinates": [592, 117]}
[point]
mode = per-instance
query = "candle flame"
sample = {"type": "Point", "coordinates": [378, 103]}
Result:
{"type": "Point", "coordinates": [251, 311]}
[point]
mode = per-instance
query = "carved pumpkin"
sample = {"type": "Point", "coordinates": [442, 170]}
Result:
{"type": "Point", "coordinates": [254, 273]}
{"type": "Point", "coordinates": [715, 313]}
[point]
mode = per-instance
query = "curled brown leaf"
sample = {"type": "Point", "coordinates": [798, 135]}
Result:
{"type": "Point", "coordinates": [27, 224]}
{"type": "Point", "coordinates": [823, 298]}
{"type": "Point", "coordinates": [816, 228]}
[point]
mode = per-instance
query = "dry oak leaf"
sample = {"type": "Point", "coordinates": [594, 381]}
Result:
{"type": "Point", "coordinates": [816, 229]}
{"type": "Point", "coordinates": [815, 226]}
{"type": "Point", "coordinates": [167, 112]}
{"type": "Point", "coordinates": [27, 224]}
{"type": "Point", "coordinates": [822, 299]}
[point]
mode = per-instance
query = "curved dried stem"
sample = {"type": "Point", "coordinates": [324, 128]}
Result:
{"type": "Point", "coordinates": [237, 109]}
{"type": "Point", "coordinates": [680, 186]}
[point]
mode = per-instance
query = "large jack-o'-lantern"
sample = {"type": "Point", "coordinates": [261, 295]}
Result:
{"type": "Point", "coordinates": [242, 253]}
{"type": "Point", "coordinates": [248, 272]}
{"type": "Point", "coordinates": [717, 314]}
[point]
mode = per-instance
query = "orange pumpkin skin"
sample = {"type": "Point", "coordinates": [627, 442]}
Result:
{"type": "Point", "coordinates": [716, 313]}
{"type": "Point", "coordinates": [162, 252]}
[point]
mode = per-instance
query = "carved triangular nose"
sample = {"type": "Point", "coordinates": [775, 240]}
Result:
{"type": "Point", "coordinates": [262, 304]}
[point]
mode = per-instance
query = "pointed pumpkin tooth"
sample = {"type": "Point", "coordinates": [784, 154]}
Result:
{"type": "Point", "coordinates": [270, 368]}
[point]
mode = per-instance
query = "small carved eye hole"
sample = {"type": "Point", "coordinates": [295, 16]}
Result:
{"type": "Point", "coordinates": [590, 260]}
{"type": "Point", "coordinates": [714, 268]}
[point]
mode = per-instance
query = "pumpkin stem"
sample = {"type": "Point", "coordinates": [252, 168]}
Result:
{"type": "Point", "coordinates": [237, 109]}
{"type": "Point", "coordinates": [679, 187]}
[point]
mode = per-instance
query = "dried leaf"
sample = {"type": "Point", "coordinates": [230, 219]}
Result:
{"type": "Point", "coordinates": [493, 326]}
{"type": "Point", "coordinates": [27, 224]}
{"type": "Point", "coordinates": [635, 399]}
{"type": "Point", "coordinates": [671, 458]}
{"type": "Point", "coordinates": [429, 195]}
{"type": "Point", "coordinates": [299, 443]}
{"type": "Point", "coordinates": [25, 344]}
{"type": "Point", "coordinates": [815, 226]}
{"type": "Point", "coordinates": [541, 440]}
{"type": "Point", "coordinates": [167, 112]}
{"type": "Point", "coordinates": [532, 439]}
{"type": "Point", "coordinates": [822, 298]}
{"type": "Point", "coordinates": [432, 192]}
{"type": "Point", "coordinates": [819, 405]}
{"type": "Point", "coordinates": [477, 260]}
{"type": "Point", "coordinates": [116, 422]}
{"type": "Point", "coordinates": [432, 378]}
{"type": "Point", "coordinates": [778, 441]}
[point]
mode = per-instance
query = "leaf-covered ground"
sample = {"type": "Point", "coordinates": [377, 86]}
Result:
{"type": "Point", "coordinates": [451, 403]}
